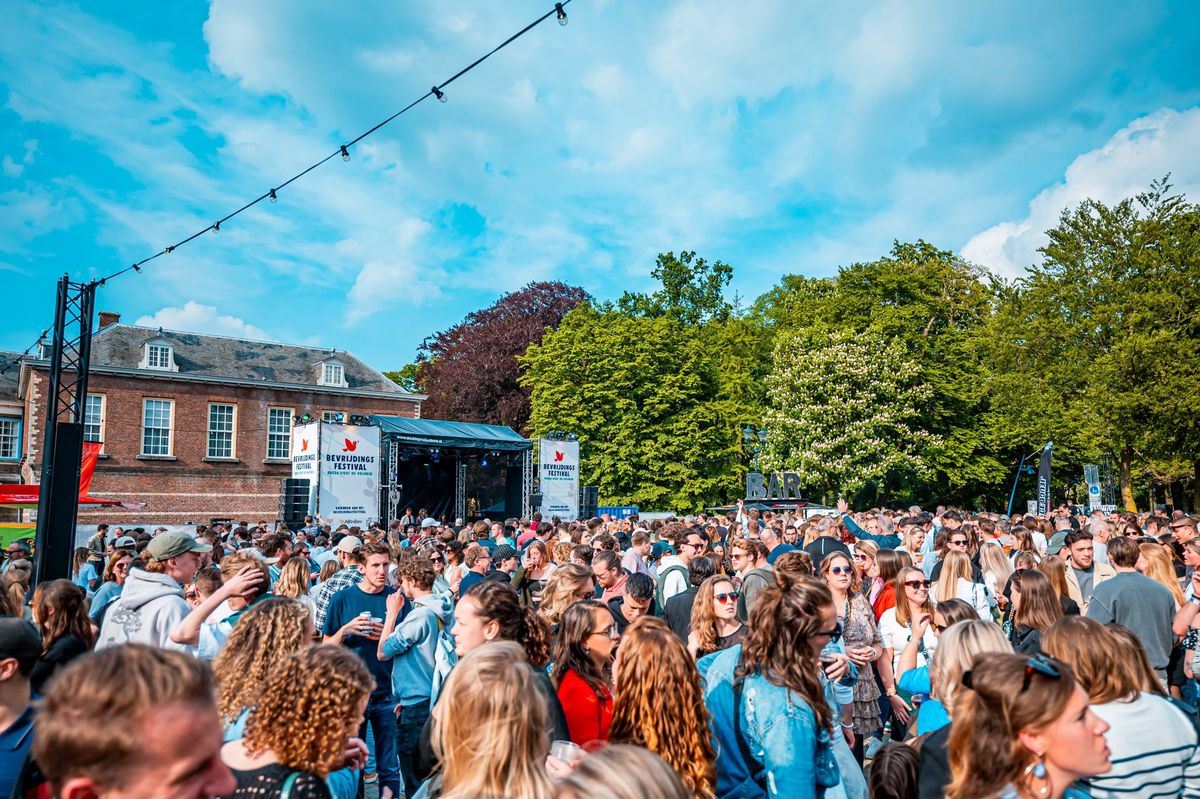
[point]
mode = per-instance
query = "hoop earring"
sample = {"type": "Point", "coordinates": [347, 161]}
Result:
{"type": "Point", "coordinates": [1036, 771]}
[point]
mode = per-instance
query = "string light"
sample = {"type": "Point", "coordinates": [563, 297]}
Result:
{"type": "Point", "coordinates": [437, 91]}
{"type": "Point", "coordinates": [169, 249]}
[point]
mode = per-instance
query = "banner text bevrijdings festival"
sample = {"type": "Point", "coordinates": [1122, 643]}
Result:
{"type": "Point", "coordinates": [342, 463]}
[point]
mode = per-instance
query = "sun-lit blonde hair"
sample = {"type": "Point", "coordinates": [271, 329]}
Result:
{"type": "Point", "coordinates": [704, 617]}
{"type": "Point", "coordinates": [902, 610]}
{"type": "Point", "coordinates": [620, 771]}
{"type": "Point", "coordinates": [659, 703]}
{"type": "Point", "coordinates": [493, 741]}
{"type": "Point", "coordinates": [303, 713]}
{"type": "Point", "coordinates": [1160, 569]}
{"type": "Point", "coordinates": [293, 579]}
{"type": "Point", "coordinates": [265, 634]}
{"type": "Point", "coordinates": [994, 561]}
{"type": "Point", "coordinates": [562, 590]}
{"type": "Point", "coordinates": [955, 565]}
{"type": "Point", "coordinates": [956, 650]}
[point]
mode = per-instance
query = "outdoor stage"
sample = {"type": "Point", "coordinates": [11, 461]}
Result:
{"type": "Point", "coordinates": [453, 469]}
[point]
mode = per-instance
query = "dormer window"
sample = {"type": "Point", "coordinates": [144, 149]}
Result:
{"type": "Point", "coordinates": [158, 354]}
{"type": "Point", "coordinates": [332, 374]}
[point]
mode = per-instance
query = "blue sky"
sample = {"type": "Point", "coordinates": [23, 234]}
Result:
{"type": "Point", "coordinates": [781, 137]}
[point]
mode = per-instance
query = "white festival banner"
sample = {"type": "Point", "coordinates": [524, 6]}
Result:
{"type": "Point", "coordinates": [558, 467]}
{"type": "Point", "coordinates": [350, 468]}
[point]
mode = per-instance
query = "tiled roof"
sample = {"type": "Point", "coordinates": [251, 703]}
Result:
{"type": "Point", "coordinates": [204, 356]}
{"type": "Point", "coordinates": [11, 376]}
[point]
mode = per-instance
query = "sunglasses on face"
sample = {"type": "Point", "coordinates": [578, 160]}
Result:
{"type": "Point", "coordinates": [725, 598]}
{"type": "Point", "coordinates": [839, 570]}
{"type": "Point", "coordinates": [959, 542]}
{"type": "Point", "coordinates": [610, 631]}
{"type": "Point", "coordinates": [918, 585]}
{"type": "Point", "coordinates": [835, 634]}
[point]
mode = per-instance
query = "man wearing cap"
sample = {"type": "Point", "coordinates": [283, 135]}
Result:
{"type": "Point", "coordinates": [152, 603]}
{"type": "Point", "coordinates": [348, 555]}
{"type": "Point", "coordinates": [20, 648]}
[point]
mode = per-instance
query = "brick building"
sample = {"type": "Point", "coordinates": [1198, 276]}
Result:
{"type": "Point", "coordinates": [11, 425]}
{"type": "Point", "coordinates": [198, 427]}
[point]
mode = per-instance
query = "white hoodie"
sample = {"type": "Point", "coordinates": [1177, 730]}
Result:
{"type": "Point", "coordinates": [149, 608]}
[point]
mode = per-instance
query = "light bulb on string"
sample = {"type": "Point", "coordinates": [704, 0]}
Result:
{"type": "Point", "coordinates": [216, 228]}
{"type": "Point", "coordinates": [562, 15]}
{"type": "Point", "coordinates": [438, 93]}
{"type": "Point", "coordinates": [345, 153]}
{"type": "Point", "coordinates": [271, 194]}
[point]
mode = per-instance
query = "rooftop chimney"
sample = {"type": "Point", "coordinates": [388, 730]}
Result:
{"type": "Point", "coordinates": [109, 318]}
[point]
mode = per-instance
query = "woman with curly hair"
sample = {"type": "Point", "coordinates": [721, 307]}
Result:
{"type": "Point", "coordinates": [569, 584]}
{"type": "Point", "coordinates": [60, 612]}
{"type": "Point", "coordinates": [293, 583]}
{"type": "Point", "coordinates": [302, 726]}
{"type": "Point", "coordinates": [658, 702]}
{"type": "Point", "coordinates": [715, 624]}
{"type": "Point", "coordinates": [583, 655]}
{"type": "Point", "coordinates": [489, 729]}
{"type": "Point", "coordinates": [266, 634]}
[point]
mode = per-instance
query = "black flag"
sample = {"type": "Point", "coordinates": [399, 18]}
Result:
{"type": "Point", "coordinates": [1043, 483]}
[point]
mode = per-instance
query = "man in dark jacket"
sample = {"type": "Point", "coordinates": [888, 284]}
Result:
{"type": "Point", "coordinates": [678, 610]}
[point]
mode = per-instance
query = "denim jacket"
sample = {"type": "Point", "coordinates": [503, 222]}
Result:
{"type": "Point", "coordinates": [779, 729]}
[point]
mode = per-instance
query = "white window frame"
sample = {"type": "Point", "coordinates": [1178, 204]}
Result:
{"type": "Point", "coordinates": [18, 430]}
{"type": "Point", "coordinates": [290, 414]}
{"type": "Point", "coordinates": [170, 427]}
{"type": "Point", "coordinates": [103, 400]}
{"type": "Point", "coordinates": [211, 431]}
{"type": "Point", "coordinates": [333, 373]}
{"type": "Point", "coordinates": [159, 344]}
{"type": "Point", "coordinates": [327, 417]}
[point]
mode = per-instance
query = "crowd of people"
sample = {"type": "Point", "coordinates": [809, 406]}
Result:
{"type": "Point", "coordinates": [872, 653]}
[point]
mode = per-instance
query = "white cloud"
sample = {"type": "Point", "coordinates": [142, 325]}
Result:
{"type": "Point", "coordinates": [392, 279]}
{"type": "Point", "coordinates": [14, 169]}
{"type": "Point", "coordinates": [194, 317]}
{"type": "Point", "coordinates": [1145, 150]}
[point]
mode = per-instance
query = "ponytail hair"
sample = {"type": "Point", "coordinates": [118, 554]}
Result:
{"type": "Point", "coordinates": [991, 709]}
{"type": "Point", "coordinates": [784, 617]}
{"type": "Point", "coordinates": [498, 602]}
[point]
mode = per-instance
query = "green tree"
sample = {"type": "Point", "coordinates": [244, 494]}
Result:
{"type": "Point", "coordinates": [693, 290]}
{"type": "Point", "coordinates": [846, 413]}
{"type": "Point", "coordinates": [1104, 334]}
{"type": "Point", "coordinates": [641, 395]}
{"type": "Point", "coordinates": [407, 378]}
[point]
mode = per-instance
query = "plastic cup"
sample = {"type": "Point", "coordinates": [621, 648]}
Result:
{"type": "Point", "coordinates": [566, 751]}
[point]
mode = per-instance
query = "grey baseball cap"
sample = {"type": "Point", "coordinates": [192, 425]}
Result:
{"type": "Point", "coordinates": [173, 544]}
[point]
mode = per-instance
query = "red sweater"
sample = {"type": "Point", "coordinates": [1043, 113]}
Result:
{"type": "Point", "coordinates": [885, 600]}
{"type": "Point", "coordinates": [588, 716]}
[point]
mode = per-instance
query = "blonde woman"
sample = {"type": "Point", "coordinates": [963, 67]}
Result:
{"type": "Point", "coordinates": [569, 584]}
{"type": "Point", "coordinates": [955, 582]}
{"type": "Point", "coordinates": [997, 568]}
{"type": "Point", "coordinates": [621, 771]}
{"type": "Point", "coordinates": [489, 729]}
{"type": "Point", "coordinates": [302, 726]}
{"type": "Point", "coordinates": [293, 584]}
{"type": "Point", "coordinates": [1155, 562]}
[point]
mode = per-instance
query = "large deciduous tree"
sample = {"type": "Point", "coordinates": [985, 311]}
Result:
{"type": "Point", "coordinates": [470, 371]}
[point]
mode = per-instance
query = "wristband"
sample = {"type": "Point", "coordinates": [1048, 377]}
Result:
{"type": "Point", "coordinates": [891, 692]}
{"type": "Point", "coordinates": [846, 726]}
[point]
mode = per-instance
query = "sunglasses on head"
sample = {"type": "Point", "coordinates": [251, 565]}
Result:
{"type": "Point", "coordinates": [918, 584]}
{"type": "Point", "coordinates": [841, 570]}
{"type": "Point", "coordinates": [726, 597]}
{"type": "Point", "coordinates": [1042, 664]}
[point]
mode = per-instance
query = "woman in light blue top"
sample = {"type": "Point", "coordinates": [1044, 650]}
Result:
{"type": "Point", "coordinates": [114, 581]}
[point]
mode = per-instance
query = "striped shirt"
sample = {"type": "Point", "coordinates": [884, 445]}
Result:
{"type": "Point", "coordinates": [1155, 751]}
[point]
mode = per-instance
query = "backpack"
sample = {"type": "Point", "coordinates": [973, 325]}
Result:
{"type": "Point", "coordinates": [764, 572]}
{"type": "Point", "coordinates": [661, 599]}
{"type": "Point", "coordinates": [445, 656]}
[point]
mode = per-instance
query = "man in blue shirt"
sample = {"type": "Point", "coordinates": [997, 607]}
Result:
{"type": "Point", "coordinates": [354, 619]}
{"type": "Point", "coordinates": [20, 647]}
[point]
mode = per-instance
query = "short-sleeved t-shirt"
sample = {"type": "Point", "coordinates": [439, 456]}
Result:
{"type": "Point", "coordinates": [344, 606]}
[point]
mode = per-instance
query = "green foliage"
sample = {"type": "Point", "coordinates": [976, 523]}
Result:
{"type": "Point", "coordinates": [643, 396]}
{"type": "Point", "coordinates": [693, 290]}
{"type": "Point", "coordinates": [406, 377]}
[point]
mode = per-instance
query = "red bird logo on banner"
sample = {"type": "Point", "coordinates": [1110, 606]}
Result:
{"type": "Point", "coordinates": [350, 445]}
{"type": "Point", "coordinates": [558, 456]}
{"type": "Point", "coordinates": [303, 444]}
